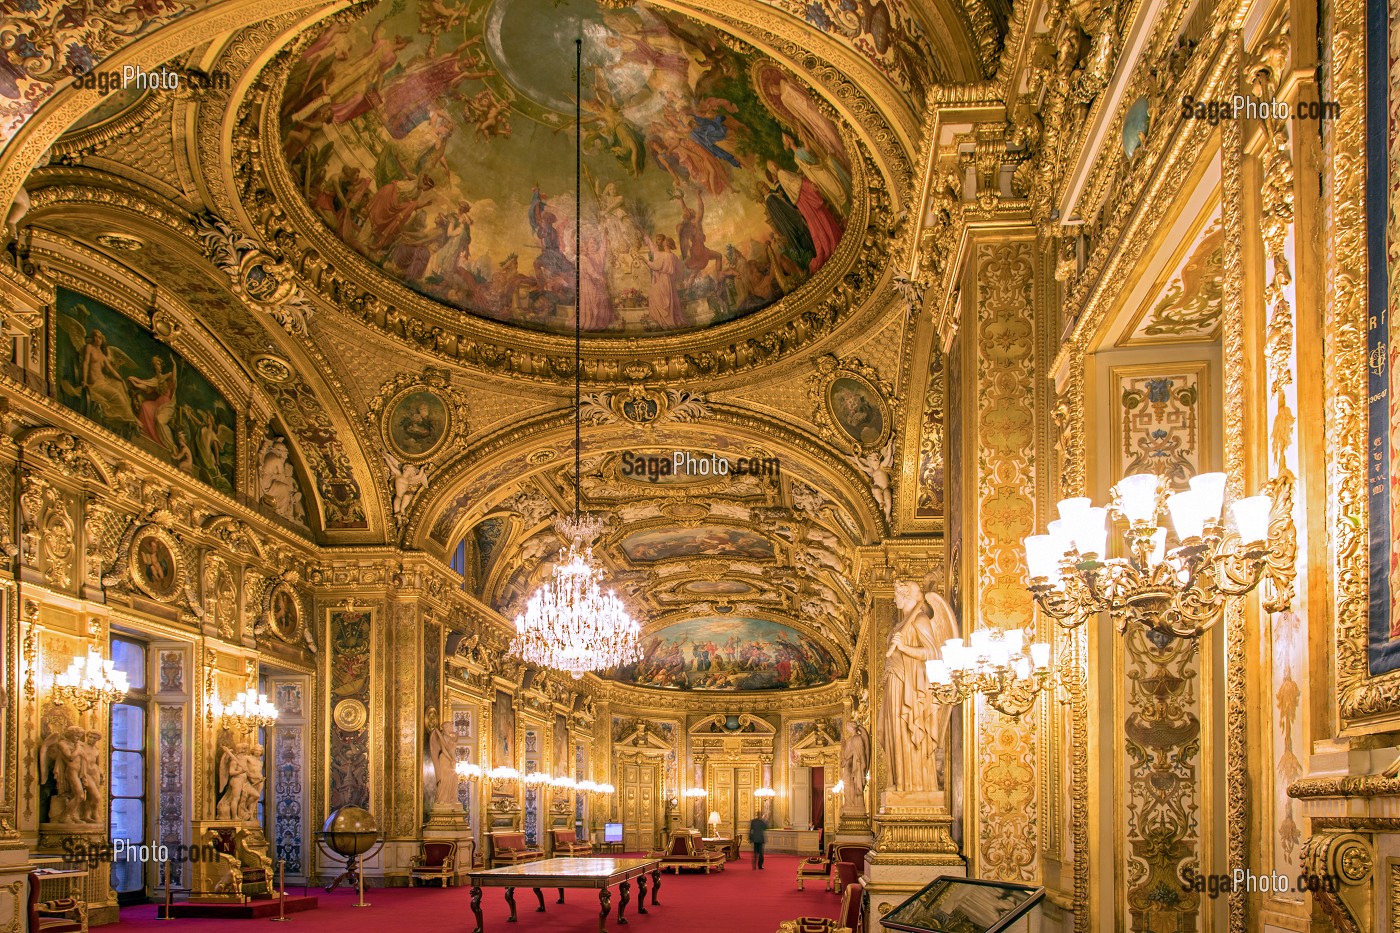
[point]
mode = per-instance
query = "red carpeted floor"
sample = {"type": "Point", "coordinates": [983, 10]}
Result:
{"type": "Point", "coordinates": [738, 900]}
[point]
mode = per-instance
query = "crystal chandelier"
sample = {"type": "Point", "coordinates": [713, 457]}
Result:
{"type": "Point", "coordinates": [570, 624]}
{"type": "Point", "coordinates": [998, 665]}
{"type": "Point", "coordinates": [1178, 592]}
{"type": "Point", "coordinates": [247, 712]}
{"type": "Point", "coordinates": [90, 681]}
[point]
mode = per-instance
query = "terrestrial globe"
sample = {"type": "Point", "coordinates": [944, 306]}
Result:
{"type": "Point", "coordinates": [350, 831]}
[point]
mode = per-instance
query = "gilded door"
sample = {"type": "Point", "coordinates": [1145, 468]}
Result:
{"type": "Point", "coordinates": [731, 794]}
{"type": "Point", "coordinates": [639, 805]}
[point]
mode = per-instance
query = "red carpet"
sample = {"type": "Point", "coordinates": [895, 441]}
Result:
{"type": "Point", "coordinates": [738, 900]}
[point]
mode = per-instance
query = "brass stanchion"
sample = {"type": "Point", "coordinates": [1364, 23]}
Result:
{"type": "Point", "coordinates": [166, 915]}
{"type": "Point", "coordinates": [360, 877]}
{"type": "Point", "coordinates": [281, 892]}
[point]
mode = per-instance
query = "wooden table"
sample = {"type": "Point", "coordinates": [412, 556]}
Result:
{"type": "Point", "coordinates": [725, 844]}
{"type": "Point", "coordinates": [561, 873]}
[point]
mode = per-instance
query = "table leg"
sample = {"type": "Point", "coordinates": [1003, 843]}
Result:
{"type": "Point", "coordinates": [642, 893]}
{"type": "Point", "coordinates": [510, 899]}
{"type": "Point", "coordinates": [540, 894]}
{"type": "Point", "coordinates": [476, 906]}
{"type": "Point", "coordinates": [655, 886]}
{"type": "Point", "coordinates": [561, 895]}
{"type": "Point", "coordinates": [605, 903]}
{"type": "Point", "coordinates": [625, 890]}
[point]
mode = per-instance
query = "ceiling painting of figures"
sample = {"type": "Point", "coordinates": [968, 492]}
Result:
{"type": "Point", "coordinates": [437, 141]}
{"type": "Point", "coordinates": [716, 653]}
{"type": "Point", "coordinates": [660, 544]}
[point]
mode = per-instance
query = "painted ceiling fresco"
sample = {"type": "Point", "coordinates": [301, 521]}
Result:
{"type": "Point", "coordinates": [661, 544]}
{"type": "Point", "coordinates": [437, 140]}
{"type": "Point", "coordinates": [729, 654]}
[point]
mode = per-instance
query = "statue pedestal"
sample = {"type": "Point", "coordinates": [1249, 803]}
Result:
{"type": "Point", "coordinates": [913, 845]}
{"type": "Point", "coordinates": [447, 823]}
{"type": "Point", "coordinates": [14, 871]}
{"type": "Point", "coordinates": [854, 825]}
{"type": "Point", "coordinates": [60, 841]}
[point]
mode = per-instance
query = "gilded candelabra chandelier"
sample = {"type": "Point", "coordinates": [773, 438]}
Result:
{"type": "Point", "coordinates": [248, 711]}
{"type": "Point", "coordinates": [570, 624]}
{"type": "Point", "coordinates": [999, 665]}
{"type": "Point", "coordinates": [89, 682]}
{"type": "Point", "coordinates": [1180, 591]}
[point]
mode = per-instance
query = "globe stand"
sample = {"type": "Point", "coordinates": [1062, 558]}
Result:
{"type": "Point", "coordinates": [350, 833]}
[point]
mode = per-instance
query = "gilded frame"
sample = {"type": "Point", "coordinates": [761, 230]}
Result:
{"type": "Point", "coordinates": [140, 539]}
{"type": "Point", "coordinates": [390, 412]}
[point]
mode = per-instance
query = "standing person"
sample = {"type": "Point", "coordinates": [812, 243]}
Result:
{"type": "Point", "coordinates": [758, 835]}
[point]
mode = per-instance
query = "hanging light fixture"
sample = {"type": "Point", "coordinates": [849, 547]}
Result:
{"type": "Point", "coordinates": [570, 624]}
{"type": "Point", "coordinates": [999, 665]}
{"type": "Point", "coordinates": [1178, 592]}
{"type": "Point", "coordinates": [90, 681]}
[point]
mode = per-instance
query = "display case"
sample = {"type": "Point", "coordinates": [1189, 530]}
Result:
{"type": "Point", "coordinates": [964, 905]}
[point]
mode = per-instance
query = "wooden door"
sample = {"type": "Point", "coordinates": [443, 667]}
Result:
{"type": "Point", "coordinates": [745, 783]}
{"type": "Point", "coordinates": [639, 803]}
{"type": "Point", "coordinates": [731, 794]}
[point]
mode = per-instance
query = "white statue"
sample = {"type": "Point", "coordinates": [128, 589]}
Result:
{"type": "Point", "coordinates": [90, 755]}
{"type": "Point", "coordinates": [815, 557]}
{"type": "Point", "coordinates": [876, 465]}
{"type": "Point", "coordinates": [855, 762]}
{"type": "Point", "coordinates": [254, 776]}
{"type": "Point", "coordinates": [277, 481]}
{"type": "Point", "coordinates": [408, 479]}
{"type": "Point", "coordinates": [442, 752]}
{"type": "Point", "coordinates": [60, 759]}
{"type": "Point", "coordinates": [913, 729]}
{"type": "Point", "coordinates": [233, 781]}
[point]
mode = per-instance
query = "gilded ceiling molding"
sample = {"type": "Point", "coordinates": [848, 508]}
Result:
{"type": "Point", "coordinates": [1120, 238]}
{"type": "Point", "coordinates": [537, 438]}
{"type": "Point", "coordinates": [341, 461]}
{"type": "Point", "coordinates": [111, 39]}
{"type": "Point", "coordinates": [347, 282]}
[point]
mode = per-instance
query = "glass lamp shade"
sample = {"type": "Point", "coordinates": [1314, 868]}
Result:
{"type": "Point", "coordinates": [1040, 655]}
{"type": "Point", "coordinates": [1252, 517]}
{"type": "Point", "coordinates": [1188, 513]}
{"type": "Point", "coordinates": [1043, 555]}
{"type": "Point", "coordinates": [1211, 487]}
{"type": "Point", "coordinates": [937, 671]}
{"type": "Point", "coordinates": [1137, 497]}
{"type": "Point", "coordinates": [1090, 530]}
{"type": "Point", "coordinates": [697, 792]}
{"type": "Point", "coordinates": [1015, 640]}
{"type": "Point", "coordinates": [1072, 509]}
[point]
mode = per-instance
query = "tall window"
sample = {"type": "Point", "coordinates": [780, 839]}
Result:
{"type": "Point", "coordinates": [459, 561]}
{"type": "Point", "coordinates": [129, 767]}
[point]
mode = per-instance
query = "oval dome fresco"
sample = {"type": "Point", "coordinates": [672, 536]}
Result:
{"type": "Point", "coordinates": [436, 139]}
{"type": "Point", "coordinates": [715, 653]}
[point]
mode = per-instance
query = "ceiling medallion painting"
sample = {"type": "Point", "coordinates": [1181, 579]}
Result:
{"type": "Point", "coordinates": [730, 654]}
{"type": "Point", "coordinates": [660, 544]}
{"type": "Point", "coordinates": [432, 140]}
{"type": "Point", "coordinates": [155, 562]}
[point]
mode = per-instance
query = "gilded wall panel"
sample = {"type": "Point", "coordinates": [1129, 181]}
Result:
{"type": "Point", "coordinates": [350, 642]}
{"type": "Point", "coordinates": [1158, 428]}
{"type": "Point", "coordinates": [1005, 513]}
{"type": "Point", "coordinates": [407, 712]}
